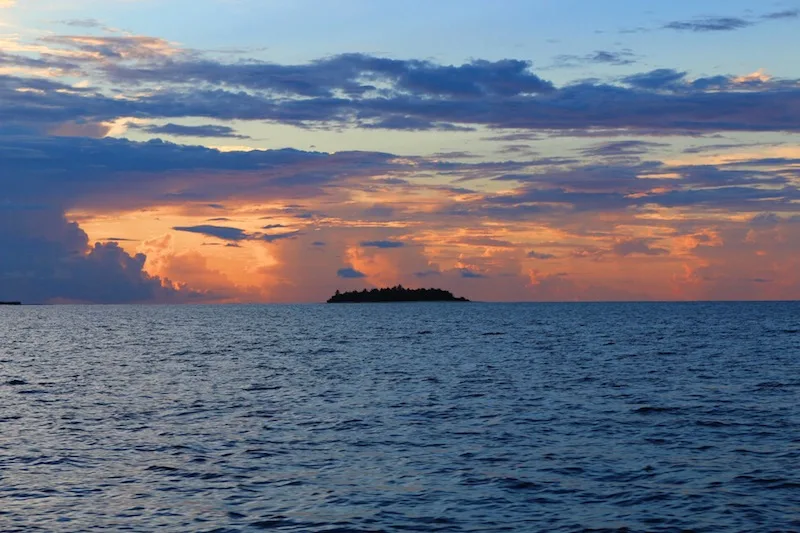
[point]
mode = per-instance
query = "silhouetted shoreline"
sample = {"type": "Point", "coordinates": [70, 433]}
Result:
{"type": "Point", "coordinates": [394, 294]}
{"type": "Point", "coordinates": [10, 303]}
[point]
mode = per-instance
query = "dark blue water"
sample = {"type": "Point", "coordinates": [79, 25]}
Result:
{"type": "Point", "coordinates": [408, 417]}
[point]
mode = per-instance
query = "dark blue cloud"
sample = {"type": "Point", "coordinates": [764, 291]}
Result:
{"type": "Point", "coordinates": [414, 96]}
{"type": "Point", "coordinates": [350, 273]}
{"type": "Point", "coordinates": [785, 14]}
{"type": "Point", "coordinates": [220, 232]}
{"type": "Point", "coordinates": [351, 74]}
{"type": "Point", "coordinates": [82, 23]}
{"type": "Point", "coordinates": [227, 233]}
{"type": "Point", "coordinates": [765, 220]}
{"type": "Point", "coordinates": [607, 57]}
{"type": "Point", "coordinates": [412, 123]}
{"type": "Point", "coordinates": [454, 155]}
{"type": "Point", "coordinates": [488, 242]}
{"type": "Point", "coordinates": [722, 146]}
{"type": "Point", "coordinates": [517, 149]}
{"type": "Point", "coordinates": [179, 130]}
{"type": "Point", "coordinates": [538, 255]}
{"type": "Point", "coordinates": [427, 273]}
{"type": "Point", "coordinates": [272, 237]}
{"type": "Point", "coordinates": [661, 78]}
{"type": "Point", "coordinates": [637, 246]}
{"type": "Point", "coordinates": [118, 173]}
{"type": "Point", "coordinates": [709, 24]}
{"type": "Point", "coordinates": [621, 148]}
{"type": "Point", "coordinates": [470, 274]}
{"type": "Point", "coordinates": [44, 258]}
{"type": "Point", "coordinates": [382, 244]}
{"type": "Point", "coordinates": [514, 137]}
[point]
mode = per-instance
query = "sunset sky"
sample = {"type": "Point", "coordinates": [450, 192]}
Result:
{"type": "Point", "coordinates": [275, 151]}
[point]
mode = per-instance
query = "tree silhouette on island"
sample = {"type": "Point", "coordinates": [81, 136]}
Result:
{"type": "Point", "coordinates": [394, 294]}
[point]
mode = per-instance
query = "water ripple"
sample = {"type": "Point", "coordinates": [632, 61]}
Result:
{"type": "Point", "coordinates": [551, 417]}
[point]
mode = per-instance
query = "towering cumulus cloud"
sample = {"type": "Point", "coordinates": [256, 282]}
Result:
{"type": "Point", "coordinates": [47, 259]}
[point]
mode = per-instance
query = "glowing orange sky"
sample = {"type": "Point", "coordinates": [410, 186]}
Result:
{"type": "Point", "coordinates": [175, 168]}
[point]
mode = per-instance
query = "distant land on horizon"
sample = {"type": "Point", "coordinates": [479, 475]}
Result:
{"type": "Point", "coordinates": [11, 303]}
{"type": "Point", "coordinates": [394, 294]}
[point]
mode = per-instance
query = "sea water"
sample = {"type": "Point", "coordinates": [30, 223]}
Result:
{"type": "Point", "coordinates": [401, 417]}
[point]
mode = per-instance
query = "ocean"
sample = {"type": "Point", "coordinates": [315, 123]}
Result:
{"type": "Point", "coordinates": [433, 417]}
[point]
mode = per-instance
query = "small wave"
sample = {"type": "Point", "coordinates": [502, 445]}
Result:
{"type": "Point", "coordinates": [273, 523]}
{"type": "Point", "coordinates": [713, 423]}
{"type": "Point", "coordinates": [16, 382]}
{"type": "Point", "coordinates": [493, 333]}
{"type": "Point", "coordinates": [323, 350]}
{"type": "Point", "coordinates": [255, 388]}
{"type": "Point", "coordinates": [650, 409]}
{"type": "Point", "coordinates": [769, 482]}
{"type": "Point", "coordinates": [513, 483]}
{"type": "Point", "coordinates": [770, 385]}
{"type": "Point", "coordinates": [159, 468]}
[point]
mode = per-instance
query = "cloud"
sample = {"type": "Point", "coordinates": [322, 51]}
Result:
{"type": "Point", "coordinates": [785, 14]}
{"type": "Point", "coordinates": [621, 148]}
{"type": "Point", "coordinates": [717, 24]}
{"type": "Point", "coordinates": [662, 78]}
{"type": "Point", "coordinates": [765, 220]}
{"type": "Point", "coordinates": [722, 147]}
{"type": "Point", "coordinates": [410, 123]}
{"type": "Point", "coordinates": [485, 241]}
{"type": "Point", "coordinates": [208, 130]}
{"type": "Point", "coordinates": [227, 233]}
{"type": "Point", "coordinates": [607, 57]}
{"type": "Point", "coordinates": [517, 149]}
{"type": "Point", "coordinates": [470, 274]}
{"type": "Point", "coordinates": [538, 255]}
{"type": "Point", "coordinates": [7, 3]}
{"type": "Point", "coordinates": [427, 273]}
{"type": "Point", "coordinates": [70, 171]}
{"type": "Point", "coordinates": [83, 23]}
{"type": "Point", "coordinates": [351, 74]}
{"type": "Point", "coordinates": [513, 137]}
{"type": "Point", "coordinates": [633, 246]}
{"type": "Point", "coordinates": [155, 80]}
{"type": "Point", "coordinates": [272, 237]}
{"type": "Point", "coordinates": [111, 48]}
{"type": "Point", "coordinates": [220, 232]}
{"type": "Point", "coordinates": [382, 244]}
{"type": "Point", "coordinates": [456, 212]}
{"type": "Point", "coordinates": [454, 155]}
{"type": "Point", "coordinates": [47, 259]}
{"type": "Point", "coordinates": [350, 273]}
{"type": "Point", "coordinates": [706, 24]}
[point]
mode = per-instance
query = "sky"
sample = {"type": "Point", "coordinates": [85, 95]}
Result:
{"type": "Point", "coordinates": [220, 151]}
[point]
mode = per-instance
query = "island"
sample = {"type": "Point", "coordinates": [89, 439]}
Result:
{"type": "Point", "coordinates": [394, 294]}
{"type": "Point", "coordinates": [10, 303]}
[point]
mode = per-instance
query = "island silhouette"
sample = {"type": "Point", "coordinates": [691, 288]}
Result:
{"type": "Point", "coordinates": [10, 303]}
{"type": "Point", "coordinates": [394, 294]}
